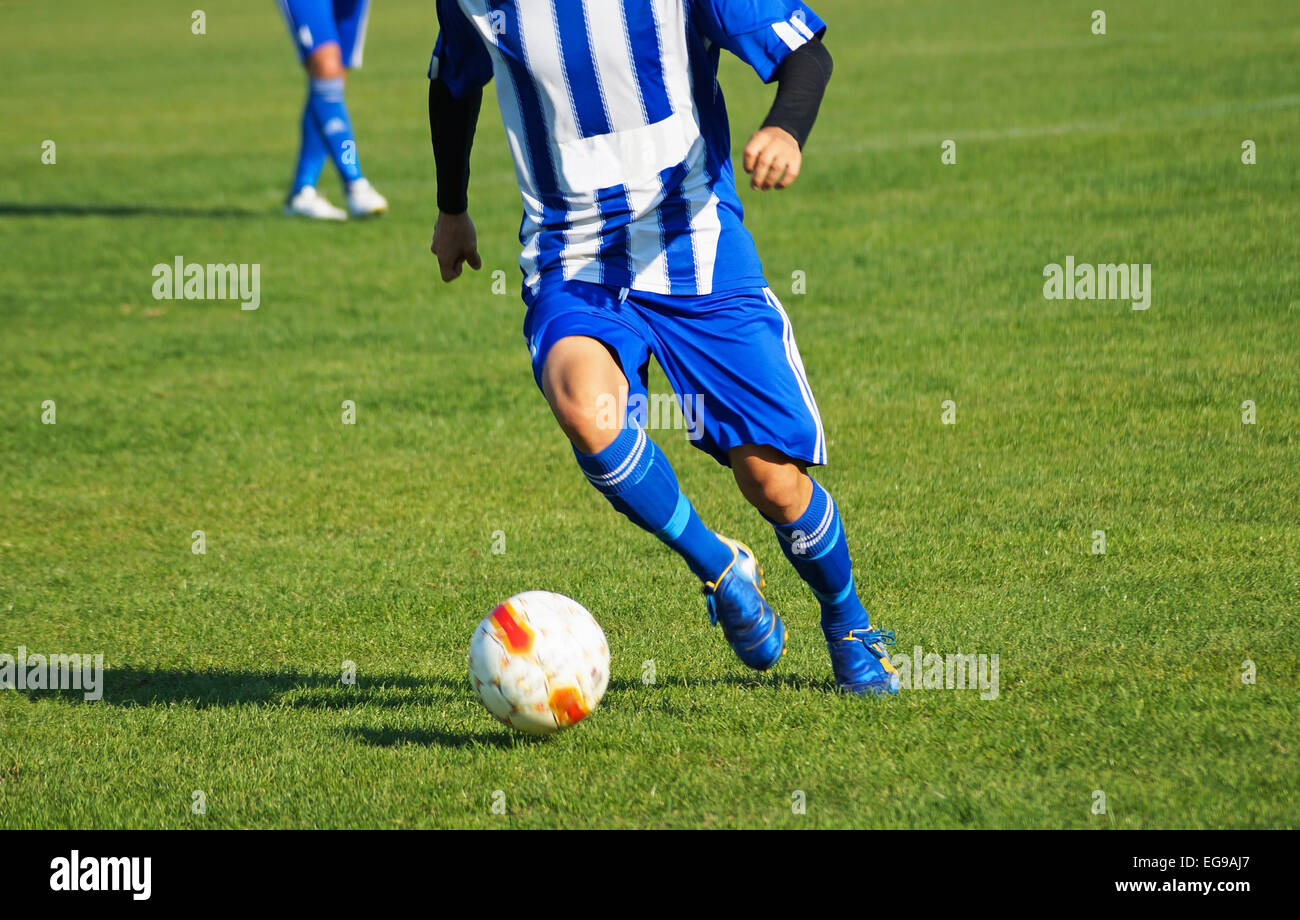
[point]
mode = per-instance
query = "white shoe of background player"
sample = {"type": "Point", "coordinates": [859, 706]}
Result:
{"type": "Point", "coordinates": [309, 203]}
{"type": "Point", "coordinates": [364, 201]}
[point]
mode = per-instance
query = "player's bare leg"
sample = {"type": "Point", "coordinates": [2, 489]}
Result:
{"type": "Point", "coordinates": [580, 370]}
{"type": "Point", "coordinates": [770, 481]}
{"type": "Point", "coordinates": [326, 63]}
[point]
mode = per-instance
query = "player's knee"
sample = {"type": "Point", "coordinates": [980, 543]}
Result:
{"type": "Point", "coordinates": [775, 492]}
{"type": "Point", "coordinates": [583, 385]}
{"type": "Point", "coordinates": [579, 412]}
{"type": "Point", "coordinates": [326, 62]}
{"type": "Point", "coordinates": [580, 408]}
{"type": "Point", "coordinates": [776, 487]}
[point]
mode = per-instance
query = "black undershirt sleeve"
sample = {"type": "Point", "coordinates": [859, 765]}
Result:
{"type": "Point", "coordinates": [451, 128]}
{"type": "Point", "coordinates": [801, 83]}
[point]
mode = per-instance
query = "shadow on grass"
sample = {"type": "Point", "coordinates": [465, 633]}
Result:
{"type": "Point", "coordinates": [201, 689]}
{"type": "Point", "coordinates": [75, 209]}
{"type": "Point", "coordinates": [130, 687]}
{"type": "Point", "coordinates": [753, 680]}
{"type": "Point", "coordinates": [217, 687]}
{"type": "Point", "coordinates": [431, 737]}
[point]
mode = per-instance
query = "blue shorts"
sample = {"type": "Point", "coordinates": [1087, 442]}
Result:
{"type": "Point", "coordinates": [313, 23]}
{"type": "Point", "coordinates": [729, 357]}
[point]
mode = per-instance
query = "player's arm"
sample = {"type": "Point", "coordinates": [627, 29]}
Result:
{"type": "Point", "coordinates": [458, 70]}
{"type": "Point", "coordinates": [774, 154]}
{"type": "Point", "coordinates": [452, 123]}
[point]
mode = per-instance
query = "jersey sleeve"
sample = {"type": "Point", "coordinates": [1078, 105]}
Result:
{"type": "Point", "coordinates": [460, 58]}
{"type": "Point", "coordinates": [759, 32]}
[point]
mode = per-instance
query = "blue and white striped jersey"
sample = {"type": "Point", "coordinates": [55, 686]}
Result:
{"type": "Point", "coordinates": [618, 129]}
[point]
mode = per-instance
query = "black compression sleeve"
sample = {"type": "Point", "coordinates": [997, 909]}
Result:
{"type": "Point", "coordinates": [451, 128]}
{"type": "Point", "coordinates": [801, 83]}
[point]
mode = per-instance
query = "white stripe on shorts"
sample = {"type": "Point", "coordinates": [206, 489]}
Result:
{"type": "Point", "coordinates": [801, 376]}
{"type": "Point", "coordinates": [359, 43]}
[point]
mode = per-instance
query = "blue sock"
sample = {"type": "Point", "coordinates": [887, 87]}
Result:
{"type": "Point", "coordinates": [311, 154]}
{"type": "Point", "coordinates": [330, 112]}
{"type": "Point", "coordinates": [817, 548]}
{"type": "Point", "coordinates": [639, 482]}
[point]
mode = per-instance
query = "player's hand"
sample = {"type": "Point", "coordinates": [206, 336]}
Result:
{"type": "Point", "coordinates": [455, 242]}
{"type": "Point", "coordinates": [772, 158]}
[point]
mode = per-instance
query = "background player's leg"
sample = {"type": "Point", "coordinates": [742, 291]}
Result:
{"type": "Point", "coordinates": [325, 65]}
{"type": "Point", "coordinates": [580, 379]}
{"type": "Point", "coordinates": [349, 23]}
{"type": "Point", "coordinates": [311, 26]}
{"type": "Point", "coordinates": [312, 154]}
{"type": "Point", "coordinates": [329, 111]}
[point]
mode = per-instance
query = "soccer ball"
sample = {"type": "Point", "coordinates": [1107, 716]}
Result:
{"type": "Point", "coordinates": [539, 662]}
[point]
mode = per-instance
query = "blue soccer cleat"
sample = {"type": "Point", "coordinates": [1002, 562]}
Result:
{"type": "Point", "coordinates": [735, 600]}
{"type": "Point", "coordinates": [861, 664]}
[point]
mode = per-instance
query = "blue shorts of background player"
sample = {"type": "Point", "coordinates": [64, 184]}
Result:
{"type": "Point", "coordinates": [313, 23]}
{"type": "Point", "coordinates": [330, 37]}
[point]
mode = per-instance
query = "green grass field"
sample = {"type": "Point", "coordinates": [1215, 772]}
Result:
{"type": "Point", "coordinates": [372, 543]}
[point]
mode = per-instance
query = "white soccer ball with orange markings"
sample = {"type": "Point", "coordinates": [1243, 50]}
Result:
{"type": "Point", "coordinates": [539, 662]}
